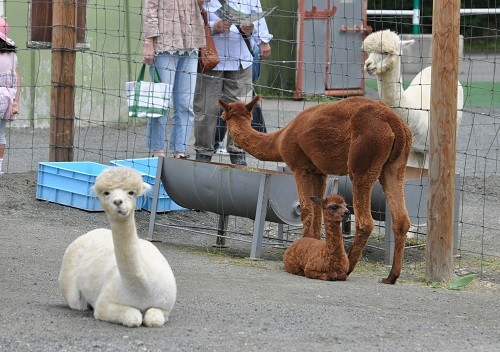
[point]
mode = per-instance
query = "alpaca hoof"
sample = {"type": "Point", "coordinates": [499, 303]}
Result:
{"type": "Point", "coordinates": [390, 280]}
{"type": "Point", "coordinates": [154, 318]}
{"type": "Point", "coordinates": [133, 319]}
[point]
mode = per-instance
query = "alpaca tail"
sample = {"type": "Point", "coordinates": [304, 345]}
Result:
{"type": "Point", "coordinates": [402, 137]}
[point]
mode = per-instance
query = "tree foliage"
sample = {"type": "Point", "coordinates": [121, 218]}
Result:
{"type": "Point", "coordinates": [479, 31]}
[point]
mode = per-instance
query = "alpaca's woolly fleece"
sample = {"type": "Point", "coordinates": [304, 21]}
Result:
{"type": "Point", "coordinates": [359, 137]}
{"type": "Point", "coordinates": [317, 259]}
{"type": "Point", "coordinates": [384, 49]}
{"type": "Point", "coordinates": [382, 42]}
{"type": "Point", "coordinates": [123, 278]}
{"type": "Point", "coordinates": [120, 177]}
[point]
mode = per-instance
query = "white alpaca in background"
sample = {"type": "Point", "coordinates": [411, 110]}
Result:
{"type": "Point", "coordinates": [384, 50]}
{"type": "Point", "coordinates": [123, 278]}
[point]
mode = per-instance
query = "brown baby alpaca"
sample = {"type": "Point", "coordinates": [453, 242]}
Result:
{"type": "Point", "coordinates": [317, 259]}
{"type": "Point", "coordinates": [359, 137]}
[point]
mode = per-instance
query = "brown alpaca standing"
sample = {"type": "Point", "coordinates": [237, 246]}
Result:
{"type": "Point", "coordinates": [357, 136]}
{"type": "Point", "coordinates": [317, 259]}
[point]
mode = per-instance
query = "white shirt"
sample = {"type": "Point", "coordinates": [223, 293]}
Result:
{"type": "Point", "coordinates": [231, 47]}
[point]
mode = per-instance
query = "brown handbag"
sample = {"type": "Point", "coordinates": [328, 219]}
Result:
{"type": "Point", "coordinates": [207, 56]}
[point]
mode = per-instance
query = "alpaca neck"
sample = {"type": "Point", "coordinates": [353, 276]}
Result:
{"type": "Point", "coordinates": [334, 239]}
{"type": "Point", "coordinates": [390, 85]}
{"type": "Point", "coordinates": [127, 249]}
{"type": "Point", "coordinates": [263, 146]}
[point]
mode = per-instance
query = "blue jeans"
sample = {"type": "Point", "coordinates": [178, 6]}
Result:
{"type": "Point", "coordinates": [179, 70]}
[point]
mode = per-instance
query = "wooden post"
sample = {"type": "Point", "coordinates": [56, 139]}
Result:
{"type": "Point", "coordinates": [442, 134]}
{"type": "Point", "coordinates": [62, 97]}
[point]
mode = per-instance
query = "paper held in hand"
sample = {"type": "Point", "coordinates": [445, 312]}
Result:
{"type": "Point", "coordinates": [227, 13]}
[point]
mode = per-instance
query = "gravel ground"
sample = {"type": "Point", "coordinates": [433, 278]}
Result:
{"type": "Point", "coordinates": [225, 302]}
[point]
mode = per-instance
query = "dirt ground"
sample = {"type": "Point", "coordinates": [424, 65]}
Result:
{"type": "Point", "coordinates": [225, 301]}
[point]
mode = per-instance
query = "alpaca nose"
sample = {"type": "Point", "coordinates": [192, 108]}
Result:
{"type": "Point", "coordinates": [347, 213]}
{"type": "Point", "coordinates": [117, 202]}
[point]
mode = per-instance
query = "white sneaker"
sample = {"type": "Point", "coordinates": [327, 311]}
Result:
{"type": "Point", "coordinates": [1, 162]}
{"type": "Point", "coordinates": [221, 150]}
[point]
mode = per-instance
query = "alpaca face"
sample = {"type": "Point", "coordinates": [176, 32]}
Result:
{"type": "Point", "coordinates": [383, 48]}
{"type": "Point", "coordinates": [335, 212]}
{"type": "Point", "coordinates": [334, 207]}
{"type": "Point", "coordinates": [378, 63]}
{"type": "Point", "coordinates": [117, 189]}
{"type": "Point", "coordinates": [238, 109]}
{"type": "Point", "coordinates": [118, 203]}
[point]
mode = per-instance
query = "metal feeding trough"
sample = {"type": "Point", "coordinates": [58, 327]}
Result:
{"type": "Point", "coordinates": [258, 194]}
{"type": "Point", "coordinates": [268, 195]}
{"type": "Point", "coordinates": [232, 190]}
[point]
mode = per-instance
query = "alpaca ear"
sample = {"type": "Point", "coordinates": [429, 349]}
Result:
{"type": "Point", "coordinates": [146, 188]}
{"type": "Point", "coordinates": [405, 43]}
{"type": "Point", "coordinates": [253, 102]}
{"type": "Point", "coordinates": [316, 200]}
{"type": "Point", "coordinates": [224, 104]}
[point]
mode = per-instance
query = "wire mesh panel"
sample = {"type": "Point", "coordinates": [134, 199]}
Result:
{"type": "Point", "coordinates": [331, 59]}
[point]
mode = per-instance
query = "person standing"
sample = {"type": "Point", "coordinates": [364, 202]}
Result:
{"type": "Point", "coordinates": [173, 33]}
{"type": "Point", "coordinates": [231, 78]}
{"type": "Point", "coordinates": [10, 83]}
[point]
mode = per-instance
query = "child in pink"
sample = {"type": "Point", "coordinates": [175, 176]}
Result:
{"type": "Point", "coordinates": [9, 84]}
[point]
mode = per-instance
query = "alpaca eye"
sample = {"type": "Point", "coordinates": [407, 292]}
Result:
{"type": "Point", "coordinates": [106, 193]}
{"type": "Point", "coordinates": [131, 193]}
{"type": "Point", "coordinates": [334, 207]}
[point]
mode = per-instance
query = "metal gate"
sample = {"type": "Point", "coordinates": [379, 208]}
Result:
{"type": "Point", "coordinates": [329, 55]}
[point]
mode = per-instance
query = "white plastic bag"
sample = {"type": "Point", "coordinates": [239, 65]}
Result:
{"type": "Point", "coordinates": [148, 99]}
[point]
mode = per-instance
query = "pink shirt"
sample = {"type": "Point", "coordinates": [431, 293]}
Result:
{"type": "Point", "coordinates": [174, 25]}
{"type": "Point", "coordinates": [8, 83]}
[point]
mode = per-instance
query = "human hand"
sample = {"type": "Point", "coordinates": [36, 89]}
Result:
{"type": "Point", "coordinates": [222, 26]}
{"type": "Point", "coordinates": [247, 28]}
{"type": "Point", "coordinates": [149, 51]}
{"type": "Point", "coordinates": [265, 50]}
{"type": "Point", "coordinates": [15, 107]}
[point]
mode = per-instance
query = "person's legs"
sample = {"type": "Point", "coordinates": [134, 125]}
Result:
{"type": "Point", "coordinates": [3, 142]}
{"type": "Point", "coordinates": [206, 110]}
{"type": "Point", "coordinates": [156, 127]}
{"type": "Point", "coordinates": [220, 132]}
{"type": "Point", "coordinates": [237, 86]}
{"type": "Point", "coordinates": [258, 123]}
{"type": "Point", "coordinates": [183, 96]}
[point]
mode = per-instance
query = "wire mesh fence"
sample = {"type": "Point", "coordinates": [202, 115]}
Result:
{"type": "Point", "coordinates": [316, 55]}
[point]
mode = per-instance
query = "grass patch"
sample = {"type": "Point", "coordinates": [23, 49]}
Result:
{"type": "Point", "coordinates": [482, 94]}
{"type": "Point", "coordinates": [476, 94]}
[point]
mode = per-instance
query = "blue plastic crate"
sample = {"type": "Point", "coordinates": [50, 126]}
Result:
{"type": "Point", "coordinates": [70, 183]}
{"type": "Point", "coordinates": [147, 167]}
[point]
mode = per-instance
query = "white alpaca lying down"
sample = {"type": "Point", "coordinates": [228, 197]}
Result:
{"type": "Point", "coordinates": [123, 278]}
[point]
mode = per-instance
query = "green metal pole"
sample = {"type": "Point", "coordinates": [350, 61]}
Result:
{"type": "Point", "coordinates": [416, 16]}
{"type": "Point", "coordinates": [128, 39]}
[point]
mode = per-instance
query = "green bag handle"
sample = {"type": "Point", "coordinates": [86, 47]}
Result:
{"type": "Point", "coordinates": [156, 77]}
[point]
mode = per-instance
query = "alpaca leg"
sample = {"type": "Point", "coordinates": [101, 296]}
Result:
{"type": "Point", "coordinates": [68, 281]}
{"type": "Point", "coordinates": [156, 317]}
{"type": "Point", "coordinates": [392, 182]}
{"type": "Point", "coordinates": [361, 195]}
{"type": "Point", "coordinates": [338, 275]}
{"type": "Point", "coordinates": [292, 261]}
{"type": "Point", "coordinates": [319, 185]}
{"type": "Point", "coordinates": [310, 271]}
{"type": "Point", "coordinates": [118, 313]}
{"type": "Point", "coordinates": [306, 185]}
